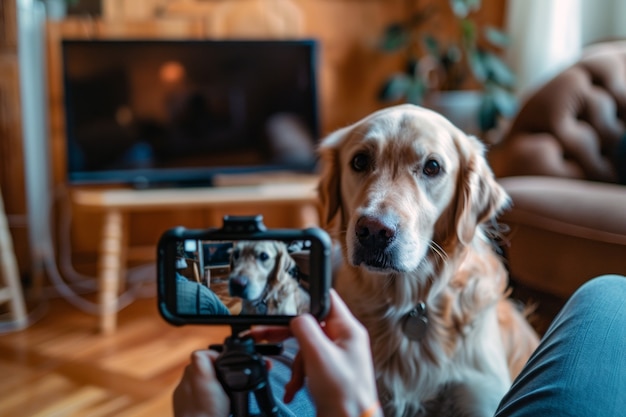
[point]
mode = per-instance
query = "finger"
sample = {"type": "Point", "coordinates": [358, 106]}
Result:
{"type": "Point", "coordinates": [338, 306]}
{"type": "Point", "coordinates": [202, 362]}
{"type": "Point", "coordinates": [340, 322]}
{"type": "Point", "coordinates": [296, 382]}
{"type": "Point", "coordinates": [269, 333]}
{"type": "Point", "coordinates": [199, 388]}
{"type": "Point", "coordinates": [339, 309]}
{"type": "Point", "coordinates": [182, 392]}
{"type": "Point", "coordinates": [310, 336]}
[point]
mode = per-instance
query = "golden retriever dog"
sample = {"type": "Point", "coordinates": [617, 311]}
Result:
{"type": "Point", "coordinates": [409, 197]}
{"type": "Point", "coordinates": [263, 275]}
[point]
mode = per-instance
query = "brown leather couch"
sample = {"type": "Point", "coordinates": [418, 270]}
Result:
{"type": "Point", "coordinates": [562, 161]}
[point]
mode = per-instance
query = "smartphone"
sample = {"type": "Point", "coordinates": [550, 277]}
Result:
{"type": "Point", "coordinates": [242, 274]}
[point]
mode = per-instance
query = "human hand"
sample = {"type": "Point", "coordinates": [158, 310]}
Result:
{"type": "Point", "coordinates": [335, 358]}
{"type": "Point", "coordinates": [199, 393]}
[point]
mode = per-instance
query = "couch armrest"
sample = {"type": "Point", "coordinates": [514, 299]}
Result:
{"type": "Point", "coordinates": [564, 231]}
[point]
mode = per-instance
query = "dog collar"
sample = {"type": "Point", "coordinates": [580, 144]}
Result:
{"type": "Point", "coordinates": [260, 305]}
{"type": "Point", "coordinates": [415, 322]}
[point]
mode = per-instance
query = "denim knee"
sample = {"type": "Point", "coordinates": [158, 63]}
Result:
{"type": "Point", "coordinates": [610, 283]}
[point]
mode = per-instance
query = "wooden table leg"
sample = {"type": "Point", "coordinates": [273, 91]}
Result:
{"type": "Point", "coordinates": [109, 270]}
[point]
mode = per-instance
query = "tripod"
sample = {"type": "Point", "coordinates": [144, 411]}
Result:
{"type": "Point", "coordinates": [241, 370]}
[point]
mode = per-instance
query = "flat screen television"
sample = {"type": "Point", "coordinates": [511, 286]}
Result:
{"type": "Point", "coordinates": [179, 112]}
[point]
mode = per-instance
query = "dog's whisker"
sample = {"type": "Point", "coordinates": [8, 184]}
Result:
{"type": "Point", "coordinates": [337, 235]}
{"type": "Point", "coordinates": [438, 250]}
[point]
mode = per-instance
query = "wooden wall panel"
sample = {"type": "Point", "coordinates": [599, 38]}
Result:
{"type": "Point", "coordinates": [8, 26]}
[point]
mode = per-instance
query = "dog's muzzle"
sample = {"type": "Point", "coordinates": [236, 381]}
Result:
{"type": "Point", "coordinates": [374, 238]}
{"type": "Point", "coordinates": [238, 286]}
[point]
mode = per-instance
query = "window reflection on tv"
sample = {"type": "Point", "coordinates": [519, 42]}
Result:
{"type": "Point", "coordinates": [163, 112]}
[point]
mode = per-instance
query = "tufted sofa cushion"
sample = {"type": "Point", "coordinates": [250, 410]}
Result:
{"type": "Point", "coordinates": [573, 126]}
{"type": "Point", "coordinates": [561, 162]}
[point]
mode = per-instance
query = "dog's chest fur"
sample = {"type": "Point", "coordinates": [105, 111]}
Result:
{"type": "Point", "coordinates": [417, 377]}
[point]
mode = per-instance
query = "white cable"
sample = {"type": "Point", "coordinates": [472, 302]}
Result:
{"type": "Point", "coordinates": [84, 283]}
{"type": "Point", "coordinates": [32, 317]}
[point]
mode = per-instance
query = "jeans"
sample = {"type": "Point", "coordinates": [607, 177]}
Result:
{"type": "Point", "coordinates": [579, 368]}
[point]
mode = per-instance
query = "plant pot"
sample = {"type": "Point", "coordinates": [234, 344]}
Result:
{"type": "Point", "coordinates": [460, 107]}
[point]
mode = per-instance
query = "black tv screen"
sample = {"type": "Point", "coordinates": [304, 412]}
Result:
{"type": "Point", "coordinates": [178, 112]}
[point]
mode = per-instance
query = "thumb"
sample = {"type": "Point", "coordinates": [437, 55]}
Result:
{"type": "Point", "coordinates": [310, 336]}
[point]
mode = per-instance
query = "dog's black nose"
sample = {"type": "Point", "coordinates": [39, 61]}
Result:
{"type": "Point", "coordinates": [237, 286]}
{"type": "Point", "coordinates": [373, 232]}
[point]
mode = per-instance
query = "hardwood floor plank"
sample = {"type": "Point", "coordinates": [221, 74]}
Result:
{"type": "Point", "coordinates": [156, 407]}
{"type": "Point", "coordinates": [38, 395]}
{"type": "Point", "coordinates": [119, 383]}
{"type": "Point", "coordinates": [151, 359]}
{"type": "Point", "coordinates": [109, 408]}
{"type": "Point", "coordinates": [61, 367]}
{"type": "Point", "coordinates": [74, 403]}
{"type": "Point", "coordinates": [15, 375]}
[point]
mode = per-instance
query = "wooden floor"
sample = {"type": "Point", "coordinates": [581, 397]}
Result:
{"type": "Point", "coordinates": [60, 367]}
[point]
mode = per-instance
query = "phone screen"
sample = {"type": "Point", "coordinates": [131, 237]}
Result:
{"type": "Point", "coordinates": [243, 280]}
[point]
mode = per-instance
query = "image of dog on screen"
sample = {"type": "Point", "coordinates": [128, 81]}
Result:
{"type": "Point", "coordinates": [265, 277]}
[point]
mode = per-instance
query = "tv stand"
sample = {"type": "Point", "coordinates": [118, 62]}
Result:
{"type": "Point", "coordinates": [117, 204]}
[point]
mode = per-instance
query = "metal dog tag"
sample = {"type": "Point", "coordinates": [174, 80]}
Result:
{"type": "Point", "coordinates": [415, 323]}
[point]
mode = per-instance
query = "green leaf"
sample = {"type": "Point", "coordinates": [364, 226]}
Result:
{"type": "Point", "coordinates": [477, 65]}
{"type": "Point", "coordinates": [461, 8]}
{"type": "Point", "coordinates": [395, 88]}
{"type": "Point", "coordinates": [395, 37]}
{"type": "Point", "coordinates": [496, 37]}
{"type": "Point", "coordinates": [504, 100]}
{"type": "Point", "coordinates": [453, 55]}
{"type": "Point", "coordinates": [497, 70]}
{"type": "Point", "coordinates": [468, 33]}
{"type": "Point", "coordinates": [496, 102]}
{"type": "Point", "coordinates": [487, 113]}
{"type": "Point", "coordinates": [432, 45]}
{"type": "Point", "coordinates": [416, 91]}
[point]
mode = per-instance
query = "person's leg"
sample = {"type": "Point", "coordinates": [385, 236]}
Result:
{"type": "Point", "coordinates": [579, 368]}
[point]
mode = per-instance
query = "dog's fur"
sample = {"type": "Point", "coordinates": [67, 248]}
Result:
{"type": "Point", "coordinates": [407, 195]}
{"type": "Point", "coordinates": [262, 274]}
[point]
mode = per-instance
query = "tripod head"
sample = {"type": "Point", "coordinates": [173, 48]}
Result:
{"type": "Point", "coordinates": [241, 370]}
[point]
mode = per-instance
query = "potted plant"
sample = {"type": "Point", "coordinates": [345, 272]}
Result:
{"type": "Point", "coordinates": [434, 63]}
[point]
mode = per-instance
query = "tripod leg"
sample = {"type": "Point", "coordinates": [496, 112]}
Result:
{"type": "Point", "coordinates": [239, 403]}
{"type": "Point", "coordinates": [265, 400]}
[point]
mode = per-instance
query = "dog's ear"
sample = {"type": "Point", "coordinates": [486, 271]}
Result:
{"type": "Point", "coordinates": [480, 197]}
{"type": "Point", "coordinates": [284, 263]}
{"type": "Point", "coordinates": [231, 257]}
{"type": "Point", "coordinates": [329, 185]}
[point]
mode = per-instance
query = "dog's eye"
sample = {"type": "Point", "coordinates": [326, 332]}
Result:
{"type": "Point", "coordinates": [263, 256]}
{"type": "Point", "coordinates": [360, 162]}
{"type": "Point", "coordinates": [235, 254]}
{"type": "Point", "coordinates": [432, 168]}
